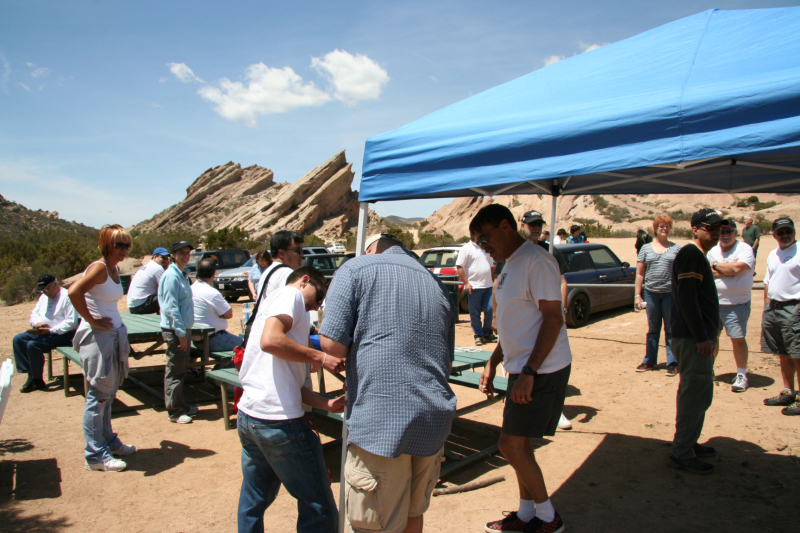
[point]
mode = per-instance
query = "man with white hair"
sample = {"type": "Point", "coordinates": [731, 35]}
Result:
{"type": "Point", "coordinates": [751, 234]}
{"type": "Point", "coordinates": [732, 263]}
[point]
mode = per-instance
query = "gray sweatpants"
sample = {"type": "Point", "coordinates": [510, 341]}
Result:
{"type": "Point", "coordinates": [174, 374]}
{"type": "Point", "coordinates": [695, 392]}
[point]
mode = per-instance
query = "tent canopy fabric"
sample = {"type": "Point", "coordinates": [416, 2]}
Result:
{"type": "Point", "coordinates": [708, 103]}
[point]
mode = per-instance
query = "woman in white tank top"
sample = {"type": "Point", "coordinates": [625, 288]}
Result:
{"type": "Point", "coordinates": [102, 341]}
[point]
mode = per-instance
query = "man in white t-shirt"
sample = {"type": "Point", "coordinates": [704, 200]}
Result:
{"type": "Point", "coordinates": [143, 292]}
{"type": "Point", "coordinates": [782, 313]}
{"type": "Point", "coordinates": [286, 248]}
{"type": "Point", "coordinates": [535, 351]}
{"type": "Point", "coordinates": [278, 444]}
{"type": "Point", "coordinates": [211, 310]}
{"type": "Point", "coordinates": [733, 262]}
{"type": "Point", "coordinates": [474, 267]}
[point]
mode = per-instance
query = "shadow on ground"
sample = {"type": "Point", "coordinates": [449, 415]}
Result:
{"type": "Point", "coordinates": [755, 380]}
{"type": "Point", "coordinates": [153, 461]}
{"type": "Point", "coordinates": [14, 521]}
{"type": "Point", "coordinates": [29, 480]}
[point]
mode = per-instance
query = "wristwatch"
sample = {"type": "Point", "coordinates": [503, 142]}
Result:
{"type": "Point", "coordinates": [565, 310]}
{"type": "Point", "coordinates": [528, 371]}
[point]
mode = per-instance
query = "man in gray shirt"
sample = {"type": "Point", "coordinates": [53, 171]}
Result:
{"type": "Point", "coordinates": [395, 324]}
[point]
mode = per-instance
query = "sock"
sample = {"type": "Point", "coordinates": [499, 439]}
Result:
{"type": "Point", "coordinates": [527, 510]}
{"type": "Point", "coordinates": [545, 511]}
{"type": "Point", "coordinates": [742, 371]}
{"type": "Point", "coordinates": [788, 391]}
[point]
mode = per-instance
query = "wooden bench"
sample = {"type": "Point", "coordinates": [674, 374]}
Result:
{"type": "Point", "coordinates": [67, 355]}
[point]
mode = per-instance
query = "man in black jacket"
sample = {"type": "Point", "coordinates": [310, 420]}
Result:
{"type": "Point", "coordinates": [695, 323]}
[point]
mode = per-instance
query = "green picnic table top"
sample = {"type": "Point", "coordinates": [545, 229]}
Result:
{"type": "Point", "coordinates": [149, 326]}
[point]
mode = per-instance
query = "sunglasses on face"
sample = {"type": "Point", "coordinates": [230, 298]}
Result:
{"type": "Point", "coordinates": [483, 240]}
{"type": "Point", "coordinates": [784, 233]}
{"type": "Point", "coordinates": [727, 231]}
{"type": "Point", "coordinates": [122, 245]}
{"type": "Point", "coordinates": [320, 294]}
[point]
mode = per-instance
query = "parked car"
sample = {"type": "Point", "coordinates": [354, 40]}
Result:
{"type": "Point", "coordinates": [232, 283]}
{"type": "Point", "coordinates": [442, 262]}
{"type": "Point", "coordinates": [229, 258]}
{"type": "Point", "coordinates": [314, 250]}
{"type": "Point", "coordinates": [326, 263]}
{"type": "Point", "coordinates": [597, 264]}
{"type": "Point", "coordinates": [337, 248]}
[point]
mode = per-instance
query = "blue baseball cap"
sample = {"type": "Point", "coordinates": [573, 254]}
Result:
{"type": "Point", "coordinates": [160, 251]}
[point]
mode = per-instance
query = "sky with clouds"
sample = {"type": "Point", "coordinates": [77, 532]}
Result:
{"type": "Point", "coordinates": [109, 110]}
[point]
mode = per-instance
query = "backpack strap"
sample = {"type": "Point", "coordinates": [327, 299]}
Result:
{"type": "Point", "coordinates": [261, 292]}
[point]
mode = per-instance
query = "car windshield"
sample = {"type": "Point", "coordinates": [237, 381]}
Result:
{"type": "Point", "coordinates": [250, 262]}
{"type": "Point", "coordinates": [440, 258]}
{"type": "Point", "coordinates": [194, 258]}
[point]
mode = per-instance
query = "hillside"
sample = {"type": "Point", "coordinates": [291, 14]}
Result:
{"type": "Point", "coordinates": [622, 212]}
{"type": "Point", "coordinates": [17, 220]}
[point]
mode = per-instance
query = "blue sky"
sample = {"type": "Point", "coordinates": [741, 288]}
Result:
{"type": "Point", "coordinates": [109, 110]}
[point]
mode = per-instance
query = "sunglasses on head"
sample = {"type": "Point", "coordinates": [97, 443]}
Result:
{"type": "Point", "coordinates": [320, 294]}
{"type": "Point", "coordinates": [122, 245]}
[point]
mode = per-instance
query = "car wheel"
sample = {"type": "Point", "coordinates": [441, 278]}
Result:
{"type": "Point", "coordinates": [231, 298]}
{"type": "Point", "coordinates": [578, 314]}
{"type": "Point", "coordinates": [463, 303]}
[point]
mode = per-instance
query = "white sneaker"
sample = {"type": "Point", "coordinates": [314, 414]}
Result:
{"type": "Point", "coordinates": [564, 422]}
{"type": "Point", "coordinates": [192, 410]}
{"type": "Point", "coordinates": [123, 450]}
{"type": "Point", "coordinates": [183, 419]}
{"type": "Point", "coordinates": [740, 384]}
{"type": "Point", "coordinates": [109, 465]}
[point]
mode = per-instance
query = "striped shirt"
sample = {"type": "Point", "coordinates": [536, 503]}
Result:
{"type": "Point", "coordinates": [658, 267]}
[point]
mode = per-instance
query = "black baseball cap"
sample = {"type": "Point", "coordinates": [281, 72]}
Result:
{"type": "Point", "coordinates": [180, 244]}
{"type": "Point", "coordinates": [531, 217]}
{"type": "Point", "coordinates": [44, 281]}
{"type": "Point", "coordinates": [783, 222]}
{"type": "Point", "coordinates": [729, 222]}
{"type": "Point", "coordinates": [706, 217]}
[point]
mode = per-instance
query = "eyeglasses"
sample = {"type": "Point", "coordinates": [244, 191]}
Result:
{"type": "Point", "coordinates": [536, 223]}
{"type": "Point", "coordinates": [727, 231]}
{"type": "Point", "coordinates": [784, 232]}
{"type": "Point", "coordinates": [122, 245]}
{"type": "Point", "coordinates": [320, 294]}
{"type": "Point", "coordinates": [664, 226]}
{"type": "Point", "coordinates": [483, 240]}
{"type": "Point", "coordinates": [298, 251]}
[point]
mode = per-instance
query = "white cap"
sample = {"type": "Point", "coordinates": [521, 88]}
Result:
{"type": "Point", "coordinates": [371, 240]}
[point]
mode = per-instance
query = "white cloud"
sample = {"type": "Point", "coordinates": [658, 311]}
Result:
{"type": "Point", "coordinates": [267, 91]}
{"type": "Point", "coordinates": [549, 60]}
{"type": "Point", "coordinates": [354, 77]}
{"type": "Point", "coordinates": [40, 71]}
{"type": "Point", "coordinates": [24, 86]}
{"type": "Point", "coordinates": [183, 72]}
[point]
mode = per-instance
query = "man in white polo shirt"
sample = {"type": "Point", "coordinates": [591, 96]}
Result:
{"type": "Point", "coordinates": [733, 262]}
{"type": "Point", "coordinates": [211, 310]}
{"type": "Point", "coordinates": [535, 351]}
{"type": "Point", "coordinates": [474, 267]}
{"type": "Point", "coordinates": [143, 292]}
{"type": "Point", "coordinates": [782, 313]}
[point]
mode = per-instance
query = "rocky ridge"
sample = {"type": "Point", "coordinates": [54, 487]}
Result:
{"type": "Point", "coordinates": [320, 202]}
{"type": "Point", "coordinates": [17, 220]}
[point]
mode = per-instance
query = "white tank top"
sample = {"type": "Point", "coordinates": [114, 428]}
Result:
{"type": "Point", "coordinates": [102, 298]}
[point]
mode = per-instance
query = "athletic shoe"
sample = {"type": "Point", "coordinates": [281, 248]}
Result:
{"type": "Point", "coordinates": [123, 450]}
{"type": "Point", "coordinates": [703, 452]}
{"type": "Point", "coordinates": [193, 410]}
{"type": "Point", "coordinates": [478, 341]}
{"type": "Point", "coordinates": [538, 526]}
{"type": "Point", "coordinates": [672, 371]}
{"type": "Point", "coordinates": [509, 523]}
{"type": "Point", "coordinates": [693, 465]}
{"type": "Point", "coordinates": [109, 465]}
{"type": "Point", "coordinates": [784, 398]}
{"type": "Point", "coordinates": [183, 419]}
{"type": "Point", "coordinates": [564, 423]}
{"type": "Point", "coordinates": [490, 338]}
{"type": "Point", "coordinates": [644, 368]}
{"type": "Point", "coordinates": [792, 410]}
{"type": "Point", "coordinates": [740, 384]}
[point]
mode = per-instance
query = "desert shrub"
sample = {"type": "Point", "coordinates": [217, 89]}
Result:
{"type": "Point", "coordinates": [680, 215]}
{"type": "Point", "coordinates": [424, 223]}
{"type": "Point", "coordinates": [145, 243]}
{"type": "Point", "coordinates": [585, 221]}
{"type": "Point", "coordinates": [462, 240]}
{"type": "Point", "coordinates": [759, 206]}
{"type": "Point", "coordinates": [406, 237]}
{"type": "Point", "coordinates": [312, 240]}
{"type": "Point", "coordinates": [430, 240]}
{"type": "Point", "coordinates": [234, 237]}
{"type": "Point", "coordinates": [598, 230]}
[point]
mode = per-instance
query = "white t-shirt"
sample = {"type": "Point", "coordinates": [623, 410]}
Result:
{"type": "Point", "coordinates": [209, 304]}
{"type": "Point", "coordinates": [272, 385]}
{"type": "Point", "coordinates": [783, 274]}
{"type": "Point", "coordinates": [530, 274]}
{"type": "Point", "coordinates": [734, 290]}
{"type": "Point", "coordinates": [556, 240]}
{"type": "Point", "coordinates": [477, 264]}
{"type": "Point", "coordinates": [144, 283]}
{"type": "Point", "coordinates": [277, 281]}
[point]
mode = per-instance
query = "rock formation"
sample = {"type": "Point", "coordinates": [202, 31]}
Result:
{"type": "Point", "coordinates": [321, 202]}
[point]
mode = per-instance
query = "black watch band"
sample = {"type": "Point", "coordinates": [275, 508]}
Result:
{"type": "Point", "coordinates": [528, 371]}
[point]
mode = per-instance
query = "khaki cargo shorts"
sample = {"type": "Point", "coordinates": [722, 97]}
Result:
{"type": "Point", "coordinates": [381, 492]}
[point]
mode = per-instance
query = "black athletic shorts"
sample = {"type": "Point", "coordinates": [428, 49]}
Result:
{"type": "Point", "coordinates": [540, 416]}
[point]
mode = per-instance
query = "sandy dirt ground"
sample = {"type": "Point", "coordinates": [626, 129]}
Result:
{"type": "Point", "coordinates": [609, 473]}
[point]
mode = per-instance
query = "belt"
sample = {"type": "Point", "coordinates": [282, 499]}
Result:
{"type": "Point", "coordinates": [778, 303]}
{"type": "Point", "coordinates": [211, 336]}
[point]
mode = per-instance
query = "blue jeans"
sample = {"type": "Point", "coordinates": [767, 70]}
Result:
{"type": "Point", "coordinates": [97, 426]}
{"type": "Point", "coordinates": [29, 351]}
{"type": "Point", "coordinates": [223, 342]}
{"type": "Point", "coordinates": [288, 452]}
{"type": "Point", "coordinates": [659, 308]}
{"type": "Point", "coordinates": [480, 300]}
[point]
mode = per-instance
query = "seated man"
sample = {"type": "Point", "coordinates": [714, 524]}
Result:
{"type": "Point", "coordinates": [53, 324]}
{"type": "Point", "coordinates": [211, 310]}
{"type": "Point", "coordinates": [143, 292]}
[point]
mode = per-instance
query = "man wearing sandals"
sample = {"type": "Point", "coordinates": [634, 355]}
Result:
{"type": "Point", "coordinates": [695, 324]}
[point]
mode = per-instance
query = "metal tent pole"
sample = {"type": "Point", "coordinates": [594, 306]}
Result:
{"type": "Point", "coordinates": [361, 237]}
{"type": "Point", "coordinates": [553, 223]}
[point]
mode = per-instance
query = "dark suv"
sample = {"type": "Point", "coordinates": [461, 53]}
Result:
{"type": "Point", "coordinates": [226, 259]}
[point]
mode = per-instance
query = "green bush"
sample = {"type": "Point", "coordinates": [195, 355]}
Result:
{"type": "Point", "coordinates": [598, 230]}
{"type": "Point", "coordinates": [312, 240]}
{"type": "Point", "coordinates": [760, 206]}
{"type": "Point", "coordinates": [406, 237]}
{"type": "Point", "coordinates": [234, 237]}
{"type": "Point", "coordinates": [424, 223]}
{"type": "Point", "coordinates": [430, 240]}
{"type": "Point", "coordinates": [145, 243]}
{"type": "Point", "coordinates": [463, 240]}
